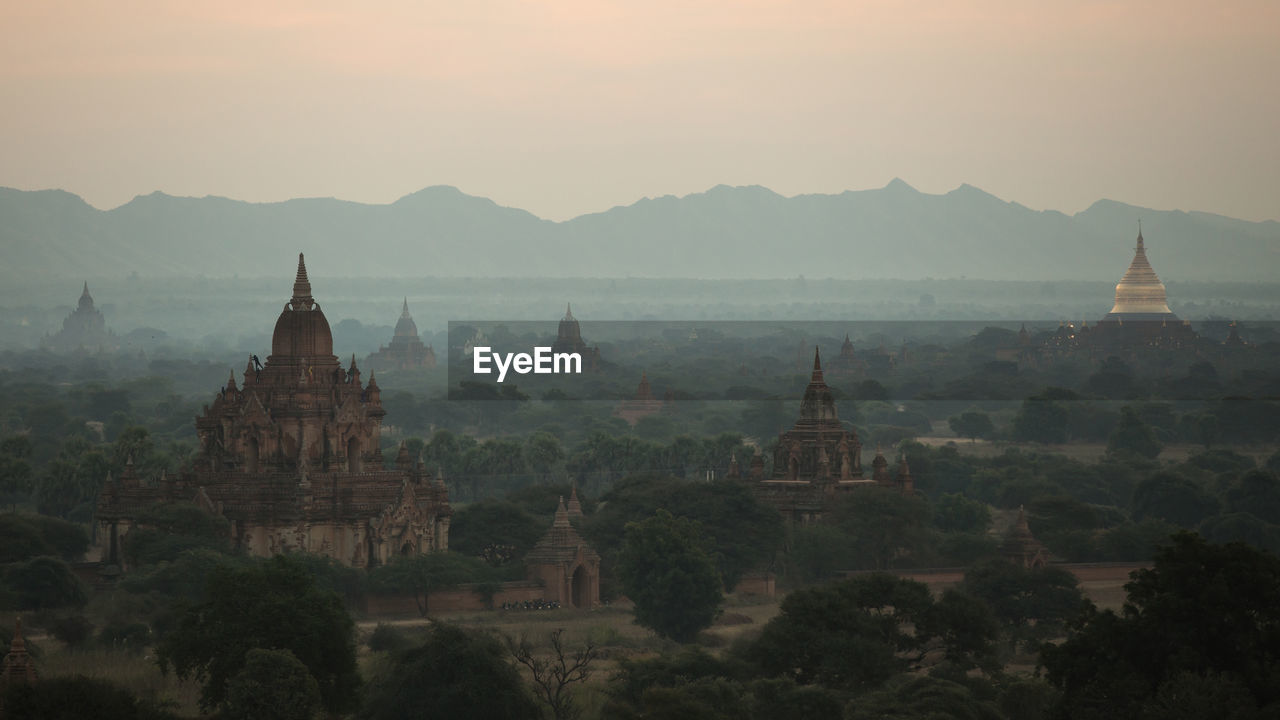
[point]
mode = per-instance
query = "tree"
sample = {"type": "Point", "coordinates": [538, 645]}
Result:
{"type": "Point", "coordinates": [923, 697]}
{"type": "Point", "coordinates": [271, 604]}
{"type": "Point", "coordinates": [1133, 435]}
{"type": "Point", "coordinates": [1041, 419]}
{"type": "Point", "coordinates": [1174, 498]}
{"type": "Point", "coordinates": [15, 468]}
{"type": "Point", "coordinates": [1203, 609]}
{"type": "Point", "coordinates": [953, 512]}
{"type": "Point", "coordinates": [856, 634]}
{"type": "Point", "coordinates": [455, 673]}
{"type": "Point", "coordinates": [420, 575]}
{"type": "Point", "coordinates": [45, 583]}
{"type": "Point", "coordinates": [881, 524]}
{"type": "Point", "coordinates": [973, 425]}
{"type": "Point", "coordinates": [20, 539]}
{"type": "Point", "coordinates": [689, 683]}
{"type": "Point", "coordinates": [273, 685]}
{"type": "Point", "coordinates": [62, 698]}
{"type": "Point", "coordinates": [1257, 492]}
{"type": "Point", "coordinates": [543, 452]}
{"type": "Point", "coordinates": [741, 533]}
{"type": "Point", "coordinates": [553, 675]}
{"type": "Point", "coordinates": [163, 532]}
{"type": "Point", "coordinates": [1032, 604]}
{"type": "Point", "coordinates": [667, 573]}
{"type": "Point", "coordinates": [495, 529]}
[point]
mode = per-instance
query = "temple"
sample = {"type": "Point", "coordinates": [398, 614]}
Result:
{"type": "Point", "coordinates": [1140, 315]}
{"type": "Point", "coordinates": [292, 459]}
{"type": "Point", "coordinates": [847, 363]}
{"type": "Point", "coordinates": [1140, 295]}
{"type": "Point", "coordinates": [1020, 547]}
{"type": "Point", "coordinates": [405, 351]}
{"type": "Point", "coordinates": [569, 340]}
{"type": "Point", "coordinates": [568, 568]}
{"type": "Point", "coordinates": [84, 330]}
{"type": "Point", "coordinates": [817, 461]}
{"type": "Point", "coordinates": [643, 404]}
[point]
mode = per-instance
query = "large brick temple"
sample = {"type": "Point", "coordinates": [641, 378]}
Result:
{"type": "Point", "coordinates": [292, 459]}
{"type": "Point", "coordinates": [817, 461]}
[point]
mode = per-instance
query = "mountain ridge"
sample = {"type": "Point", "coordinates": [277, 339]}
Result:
{"type": "Point", "coordinates": [732, 232]}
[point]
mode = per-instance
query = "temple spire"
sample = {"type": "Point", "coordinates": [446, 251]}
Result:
{"type": "Point", "coordinates": [817, 366]}
{"type": "Point", "coordinates": [404, 313]}
{"type": "Point", "coordinates": [302, 285]}
{"type": "Point", "coordinates": [568, 312]}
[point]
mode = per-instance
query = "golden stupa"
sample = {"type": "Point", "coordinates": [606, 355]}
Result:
{"type": "Point", "coordinates": [1140, 295]}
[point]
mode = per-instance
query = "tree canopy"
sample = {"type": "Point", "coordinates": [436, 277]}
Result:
{"type": "Point", "coordinates": [1202, 619]}
{"type": "Point", "coordinates": [455, 673]}
{"type": "Point", "coordinates": [272, 604]}
{"type": "Point", "coordinates": [668, 574]}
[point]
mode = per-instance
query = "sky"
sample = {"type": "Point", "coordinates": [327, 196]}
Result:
{"type": "Point", "coordinates": [566, 107]}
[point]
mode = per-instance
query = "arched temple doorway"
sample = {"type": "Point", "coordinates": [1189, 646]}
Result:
{"type": "Point", "coordinates": [353, 455]}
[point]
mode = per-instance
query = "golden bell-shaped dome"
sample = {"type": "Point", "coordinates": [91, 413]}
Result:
{"type": "Point", "coordinates": [1140, 291]}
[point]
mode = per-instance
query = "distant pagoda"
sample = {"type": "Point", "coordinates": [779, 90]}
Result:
{"type": "Point", "coordinates": [569, 340]}
{"type": "Point", "coordinates": [1140, 296]}
{"type": "Point", "coordinates": [405, 351]}
{"type": "Point", "coordinates": [1140, 315]}
{"type": "Point", "coordinates": [84, 330]}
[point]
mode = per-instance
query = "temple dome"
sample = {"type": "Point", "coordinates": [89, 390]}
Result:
{"type": "Point", "coordinates": [302, 331]}
{"type": "Point", "coordinates": [1140, 291]}
{"type": "Point", "coordinates": [569, 331]}
{"type": "Point", "coordinates": [405, 326]}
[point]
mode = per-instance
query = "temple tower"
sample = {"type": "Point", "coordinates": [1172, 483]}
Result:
{"type": "Point", "coordinates": [292, 458]}
{"type": "Point", "coordinates": [1140, 295]}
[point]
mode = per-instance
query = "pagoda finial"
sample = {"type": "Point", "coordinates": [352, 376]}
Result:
{"type": "Point", "coordinates": [562, 515]}
{"type": "Point", "coordinates": [404, 312]}
{"type": "Point", "coordinates": [231, 381]}
{"type": "Point", "coordinates": [1139, 234]}
{"type": "Point", "coordinates": [568, 312]}
{"type": "Point", "coordinates": [302, 285]}
{"type": "Point", "coordinates": [817, 366]}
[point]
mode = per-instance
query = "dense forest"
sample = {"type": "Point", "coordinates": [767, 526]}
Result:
{"type": "Point", "coordinates": [1108, 458]}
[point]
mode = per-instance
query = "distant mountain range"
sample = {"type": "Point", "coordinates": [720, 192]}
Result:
{"type": "Point", "coordinates": [725, 232]}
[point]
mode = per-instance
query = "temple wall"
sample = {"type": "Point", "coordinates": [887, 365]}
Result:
{"type": "Point", "coordinates": [461, 598]}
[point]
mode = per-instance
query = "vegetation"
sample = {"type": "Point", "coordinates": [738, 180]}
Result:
{"type": "Point", "coordinates": [272, 604]}
{"type": "Point", "coordinates": [667, 572]}
{"type": "Point", "coordinates": [1200, 629]}
{"type": "Point", "coordinates": [454, 673]}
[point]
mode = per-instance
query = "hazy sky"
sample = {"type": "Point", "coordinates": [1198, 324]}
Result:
{"type": "Point", "coordinates": [563, 107]}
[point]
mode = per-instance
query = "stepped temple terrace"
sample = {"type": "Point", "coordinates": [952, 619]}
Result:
{"type": "Point", "coordinates": [290, 456]}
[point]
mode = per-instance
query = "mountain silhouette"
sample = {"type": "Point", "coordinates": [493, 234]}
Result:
{"type": "Point", "coordinates": [726, 232]}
